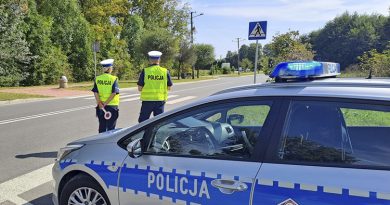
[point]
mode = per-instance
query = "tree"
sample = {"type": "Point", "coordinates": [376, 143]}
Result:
{"type": "Point", "coordinates": [51, 66]}
{"type": "Point", "coordinates": [14, 51]}
{"type": "Point", "coordinates": [378, 63]}
{"type": "Point", "coordinates": [186, 57]}
{"type": "Point", "coordinates": [49, 62]}
{"type": "Point", "coordinates": [244, 52]}
{"type": "Point", "coordinates": [205, 56]}
{"type": "Point", "coordinates": [287, 47]}
{"type": "Point", "coordinates": [231, 57]}
{"type": "Point", "coordinates": [252, 54]}
{"type": "Point", "coordinates": [108, 20]}
{"type": "Point", "coordinates": [169, 14]}
{"type": "Point", "coordinates": [346, 37]}
{"type": "Point", "coordinates": [160, 40]}
{"type": "Point", "coordinates": [246, 63]}
{"type": "Point", "coordinates": [384, 34]}
{"type": "Point", "coordinates": [71, 32]}
{"type": "Point", "coordinates": [132, 32]}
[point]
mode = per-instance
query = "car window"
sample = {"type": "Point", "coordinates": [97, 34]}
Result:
{"type": "Point", "coordinates": [195, 134]}
{"type": "Point", "coordinates": [215, 118]}
{"type": "Point", "coordinates": [336, 133]}
{"type": "Point", "coordinates": [133, 137]}
{"type": "Point", "coordinates": [366, 118]}
{"type": "Point", "coordinates": [253, 115]}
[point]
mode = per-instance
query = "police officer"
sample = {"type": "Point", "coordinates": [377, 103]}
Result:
{"type": "Point", "coordinates": [106, 91]}
{"type": "Point", "coordinates": [153, 83]}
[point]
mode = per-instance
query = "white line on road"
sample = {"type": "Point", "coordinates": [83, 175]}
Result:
{"type": "Point", "coordinates": [10, 190]}
{"type": "Point", "coordinates": [125, 96]}
{"type": "Point", "coordinates": [2, 122]}
{"type": "Point", "coordinates": [137, 98]}
{"type": "Point", "coordinates": [180, 100]}
{"type": "Point", "coordinates": [195, 88]}
{"type": "Point", "coordinates": [80, 96]}
{"type": "Point", "coordinates": [121, 96]}
{"type": "Point", "coordinates": [172, 96]}
{"type": "Point", "coordinates": [44, 114]}
{"type": "Point", "coordinates": [91, 106]}
{"type": "Point", "coordinates": [130, 99]}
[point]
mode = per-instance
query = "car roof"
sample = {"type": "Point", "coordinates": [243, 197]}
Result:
{"type": "Point", "coordinates": [375, 89]}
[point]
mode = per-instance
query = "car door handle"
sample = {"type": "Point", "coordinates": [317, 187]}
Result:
{"type": "Point", "coordinates": [229, 186]}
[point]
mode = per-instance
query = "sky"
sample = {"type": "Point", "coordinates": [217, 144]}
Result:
{"type": "Point", "coordinates": [226, 20]}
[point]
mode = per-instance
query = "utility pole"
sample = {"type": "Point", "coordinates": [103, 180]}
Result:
{"type": "Point", "coordinates": [192, 44]}
{"type": "Point", "coordinates": [192, 40]}
{"type": "Point", "coordinates": [238, 52]}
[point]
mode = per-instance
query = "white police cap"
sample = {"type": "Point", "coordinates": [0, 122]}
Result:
{"type": "Point", "coordinates": [154, 54]}
{"type": "Point", "coordinates": [107, 62]}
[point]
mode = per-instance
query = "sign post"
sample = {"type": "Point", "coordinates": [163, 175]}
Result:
{"type": "Point", "coordinates": [257, 30]}
{"type": "Point", "coordinates": [95, 48]}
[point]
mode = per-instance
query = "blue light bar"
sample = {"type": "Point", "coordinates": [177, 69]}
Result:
{"type": "Point", "coordinates": [305, 70]}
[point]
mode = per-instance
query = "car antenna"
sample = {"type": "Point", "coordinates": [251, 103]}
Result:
{"type": "Point", "coordinates": [370, 74]}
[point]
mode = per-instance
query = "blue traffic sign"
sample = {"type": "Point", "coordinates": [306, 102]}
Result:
{"type": "Point", "coordinates": [257, 30]}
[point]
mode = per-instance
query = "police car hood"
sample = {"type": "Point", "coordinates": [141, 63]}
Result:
{"type": "Point", "coordinates": [111, 136]}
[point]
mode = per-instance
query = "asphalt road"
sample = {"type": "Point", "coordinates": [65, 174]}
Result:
{"type": "Point", "coordinates": [31, 133]}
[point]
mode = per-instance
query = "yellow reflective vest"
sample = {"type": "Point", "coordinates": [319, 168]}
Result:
{"type": "Point", "coordinates": [155, 87]}
{"type": "Point", "coordinates": [104, 84]}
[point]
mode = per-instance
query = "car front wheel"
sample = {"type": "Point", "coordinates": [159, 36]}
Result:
{"type": "Point", "coordinates": [83, 190]}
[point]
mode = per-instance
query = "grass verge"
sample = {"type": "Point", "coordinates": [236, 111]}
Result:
{"type": "Point", "coordinates": [14, 96]}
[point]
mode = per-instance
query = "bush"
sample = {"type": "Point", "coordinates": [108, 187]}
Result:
{"type": "Point", "coordinates": [226, 70]}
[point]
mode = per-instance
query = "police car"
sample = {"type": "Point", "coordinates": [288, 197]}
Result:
{"type": "Point", "coordinates": [307, 138]}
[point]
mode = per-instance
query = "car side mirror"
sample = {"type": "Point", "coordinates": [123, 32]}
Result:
{"type": "Point", "coordinates": [134, 148]}
{"type": "Point", "coordinates": [235, 119]}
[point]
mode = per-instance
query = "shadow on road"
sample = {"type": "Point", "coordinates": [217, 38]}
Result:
{"type": "Point", "coordinates": [43, 200]}
{"type": "Point", "coordinates": [37, 155]}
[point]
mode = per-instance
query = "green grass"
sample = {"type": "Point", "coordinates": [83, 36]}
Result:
{"type": "Point", "coordinates": [354, 74]}
{"type": "Point", "coordinates": [354, 117]}
{"type": "Point", "coordinates": [254, 115]}
{"type": "Point", "coordinates": [15, 96]}
{"type": "Point", "coordinates": [241, 74]}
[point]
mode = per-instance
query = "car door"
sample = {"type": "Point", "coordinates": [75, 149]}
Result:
{"type": "Point", "coordinates": [328, 152]}
{"type": "Point", "coordinates": [192, 160]}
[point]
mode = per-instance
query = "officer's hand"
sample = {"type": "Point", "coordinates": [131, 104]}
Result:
{"type": "Point", "coordinates": [101, 105]}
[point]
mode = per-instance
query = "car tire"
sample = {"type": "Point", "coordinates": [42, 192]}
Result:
{"type": "Point", "coordinates": [82, 184]}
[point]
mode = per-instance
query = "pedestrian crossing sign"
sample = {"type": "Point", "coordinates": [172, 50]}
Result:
{"type": "Point", "coordinates": [257, 30]}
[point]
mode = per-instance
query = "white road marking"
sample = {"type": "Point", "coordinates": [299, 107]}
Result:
{"type": "Point", "coordinates": [2, 122]}
{"type": "Point", "coordinates": [10, 189]}
{"type": "Point", "coordinates": [89, 98]}
{"type": "Point", "coordinates": [180, 100]}
{"type": "Point", "coordinates": [44, 114]}
{"type": "Point", "coordinates": [172, 96]}
{"type": "Point", "coordinates": [137, 98]}
{"type": "Point", "coordinates": [195, 88]}
{"type": "Point", "coordinates": [121, 96]}
{"type": "Point", "coordinates": [130, 99]}
{"type": "Point", "coordinates": [80, 96]}
{"type": "Point", "coordinates": [125, 96]}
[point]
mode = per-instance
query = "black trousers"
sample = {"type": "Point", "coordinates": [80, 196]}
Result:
{"type": "Point", "coordinates": [106, 125]}
{"type": "Point", "coordinates": [157, 107]}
